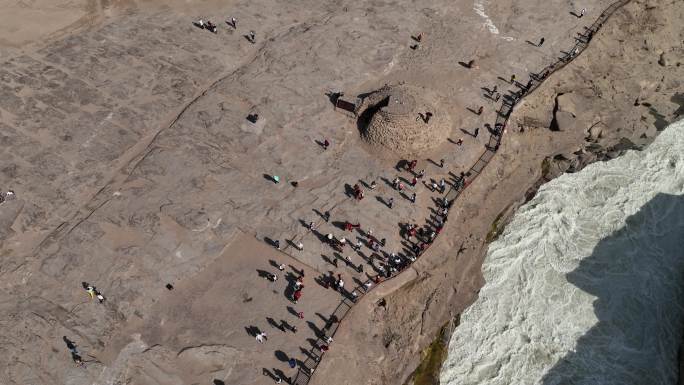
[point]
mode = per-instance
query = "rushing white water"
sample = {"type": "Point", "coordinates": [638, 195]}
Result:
{"type": "Point", "coordinates": [586, 284]}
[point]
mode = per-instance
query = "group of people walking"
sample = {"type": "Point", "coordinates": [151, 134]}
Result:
{"type": "Point", "coordinates": [232, 22]}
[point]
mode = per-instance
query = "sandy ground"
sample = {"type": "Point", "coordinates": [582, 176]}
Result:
{"type": "Point", "coordinates": [597, 117]}
{"type": "Point", "coordinates": [22, 22]}
{"type": "Point", "coordinates": [126, 142]}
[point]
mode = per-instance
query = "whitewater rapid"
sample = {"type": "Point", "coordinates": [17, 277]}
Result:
{"type": "Point", "coordinates": [586, 283]}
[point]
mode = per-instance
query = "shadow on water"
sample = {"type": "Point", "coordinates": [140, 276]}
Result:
{"type": "Point", "coordinates": [636, 275]}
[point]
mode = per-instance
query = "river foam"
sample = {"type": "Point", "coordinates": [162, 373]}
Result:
{"type": "Point", "coordinates": [586, 283]}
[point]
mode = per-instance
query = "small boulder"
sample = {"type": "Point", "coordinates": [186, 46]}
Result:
{"type": "Point", "coordinates": [595, 131]}
{"type": "Point", "coordinates": [665, 60]}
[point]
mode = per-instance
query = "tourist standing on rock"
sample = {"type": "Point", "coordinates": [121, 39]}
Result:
{"type": "Point", "coordinates": [477, 131]}
{"type": "Point", "coordinates": [355, 247]}
{"type": "Point", "coordinates": [373, 185]}
{"type": "Point", "coordinates": [326, 144]}
{"type": "Point", "coordinates": [340, 282]}
{"type": "Point", "coordinates": [512, 78]}
{"type": "Point", "coordinates": [99, 296]}
{"type": "Point", "coordinates": [390, 202]}
{"type": "Point", "coordinates": [72, 349]}
{"type": "Point", "coordinates": [260, 337]}
{"type": "Point", "coordinates": [413, 198]}
{"type": "Point", "coordinates": [445, 203]}
{"type": "Point", "coordinates": [276, 243]}
{"type": "Point", "coordinates": [460, 181]}
{"type": "Point", "coordinates": [252, 37]}
{"type": "Point", "coordinates": [480, 109]}
{"type": "Point", "coordinates": [77, 359]}
{"type": "Point", "coordinates": [326, 216]}
{"type": "Point", "coordinates": [582, 12]}
{"type": "Point", "coordinates": [421, 174]}
{"type": "Point", "coordinates": [358, 192]}
{"type": "Point", "coordinates": [442, 185]}
{"type": "Point", "coordinates": [331, 321]}
{"type": "Point", "coordinates": [212, 27]}
{"type": "Point", "coordinates": [441, 163]}
{"type": "Point", "coordinates": [541, 42]}
{"type": "Point", "coordinates": [71, 345]}
{"type": "Point", "coordinates": [233, 22]}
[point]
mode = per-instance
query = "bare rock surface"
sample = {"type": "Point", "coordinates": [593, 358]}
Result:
{"type": "Point", "coordinates": [126, 142]}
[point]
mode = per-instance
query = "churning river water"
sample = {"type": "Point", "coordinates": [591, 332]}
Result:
{"type": "Point", "coordinates": [586, 283]}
